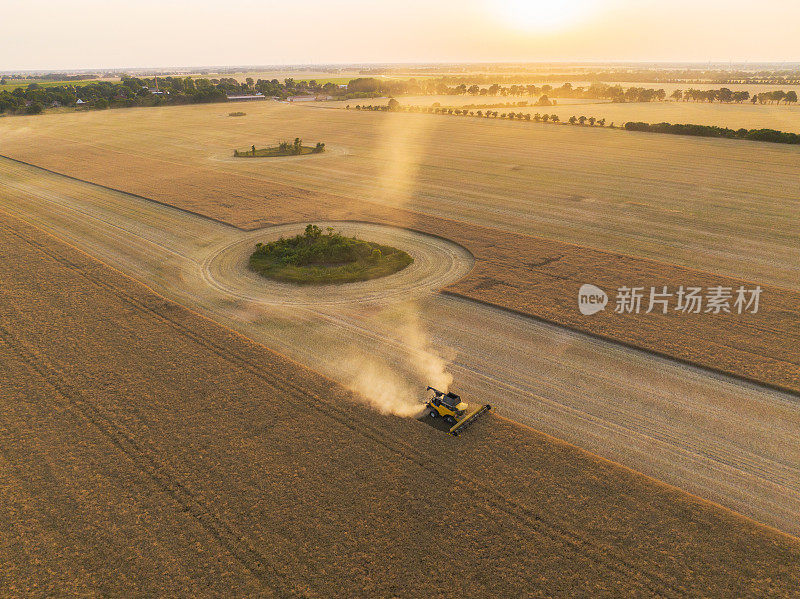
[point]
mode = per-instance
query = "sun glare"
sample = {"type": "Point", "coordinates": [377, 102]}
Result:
{"type": "Point", "coordinates": [541, 15]}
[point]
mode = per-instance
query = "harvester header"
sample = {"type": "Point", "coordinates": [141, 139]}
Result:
{"type": "Point", "coordinates": [453, 411]}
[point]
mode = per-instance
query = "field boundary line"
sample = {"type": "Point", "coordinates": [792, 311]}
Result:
{"type": "Point", "coordinates": [628, 345]}
{"type": "Point", "coordinates": [128, 193]}
{"type": "Point", "coordinates": [145, 461]}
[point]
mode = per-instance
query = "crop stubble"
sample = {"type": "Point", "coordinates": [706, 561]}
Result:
{"type": "Point", "coordinates": [164, 454]}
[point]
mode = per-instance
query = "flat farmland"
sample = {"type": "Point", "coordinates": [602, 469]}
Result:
{"type": "Point", "coordinates": [711, 435]}
{"type": "Point", "coordinates": [543, 209]}
{"type": "Point", "coordinates": [191, 461]}
{"type": "Point", "coordinates": [459, 100]}
{"type": "Point", "coordinates": [723, 206]}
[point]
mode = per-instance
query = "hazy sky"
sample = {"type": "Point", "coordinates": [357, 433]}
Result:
{"type": "Point", "coordinates": [112, 33]}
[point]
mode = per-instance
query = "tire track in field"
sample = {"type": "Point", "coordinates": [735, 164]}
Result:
{"type": "Point", "coordinates": [147, 461]}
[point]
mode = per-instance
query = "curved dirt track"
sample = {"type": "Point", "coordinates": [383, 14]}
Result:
{"type": "Point", "coordinates": [437, 263]}
{"type": "Point", "coordinates": [719, 438]}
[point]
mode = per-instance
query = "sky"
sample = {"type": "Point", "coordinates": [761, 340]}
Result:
{"type": "Point", "coordinates": [94, 34]}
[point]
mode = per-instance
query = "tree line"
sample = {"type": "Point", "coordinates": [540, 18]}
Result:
{"type": "Point", "coordinates": [131, 91]}
{"type": "Point", "coordinates": [155, 91]}
{"type": "Point", "coordinates": [770, 135]}
{"type": "Point", "coordinates": [394, 106]}
{"type": "Point", "coordinates": [727, 96]}
{"type": "Point", "coordinates": [373, 87]}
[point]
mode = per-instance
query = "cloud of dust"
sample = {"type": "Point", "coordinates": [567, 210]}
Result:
{"type": "Point", "coordinates": [381, 387]}
{"type": "Point", "coordinates": [398, 388]}
{"type": "Point", "coordinates": [429, 362]}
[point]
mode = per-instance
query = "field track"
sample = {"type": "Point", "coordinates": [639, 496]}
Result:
{"type": "Point", "coordinates": [714, 436]}
{"type": "Point", "coordinates": [146, 450]}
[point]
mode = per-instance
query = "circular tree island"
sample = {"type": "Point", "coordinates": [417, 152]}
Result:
{"type": "Point", "coordinates": [317, 258]}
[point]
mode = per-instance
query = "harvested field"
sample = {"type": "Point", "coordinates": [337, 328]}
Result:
{"type": "Point", "coordinates": [515, 194]}
{"type": "Point", "coordinates": [191, 461]}
{"type": "Point", "coordinates": [716, 437]}
{"type": "Point", "coordinates": [596, 188]}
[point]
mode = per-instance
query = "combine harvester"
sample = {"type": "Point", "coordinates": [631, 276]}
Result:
{"type": "Point", "coordinates": [456, 413]}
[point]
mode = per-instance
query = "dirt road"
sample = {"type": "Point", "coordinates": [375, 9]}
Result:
{"type": "Point", "coordinates": [719, 438]}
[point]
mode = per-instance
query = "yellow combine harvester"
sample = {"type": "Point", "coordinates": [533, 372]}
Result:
{"type": "Point", "coordinates": [450, 408]}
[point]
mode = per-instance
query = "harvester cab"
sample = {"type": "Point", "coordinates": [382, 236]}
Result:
{"type": "Point", "coordinates": [449, 407]}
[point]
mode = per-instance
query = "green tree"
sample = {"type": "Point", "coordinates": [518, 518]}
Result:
{"type": "Point", "coordinates": [582, 120]}
{"type": "Point", "coordinates": [572, 120]}
{"type": "Point", "coordinates": [393, 104]}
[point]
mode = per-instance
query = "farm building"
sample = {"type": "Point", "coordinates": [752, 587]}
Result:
{"type": "Point", "coordinates": [309, 98]}
{"type": "Point", "coordinates": [248, 97]}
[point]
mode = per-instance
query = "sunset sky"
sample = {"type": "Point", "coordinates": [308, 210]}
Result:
{"type": "Point", "coordinates": [143, 33]}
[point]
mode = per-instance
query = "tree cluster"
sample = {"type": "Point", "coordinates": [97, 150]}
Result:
{"type": "Point", "coordinates": [727, 96]}
{"type": "Point", "coordinates": [131, 91]}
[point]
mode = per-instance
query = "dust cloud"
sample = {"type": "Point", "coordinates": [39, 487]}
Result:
{"type": "Point", "coordinates": [399, 388]}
